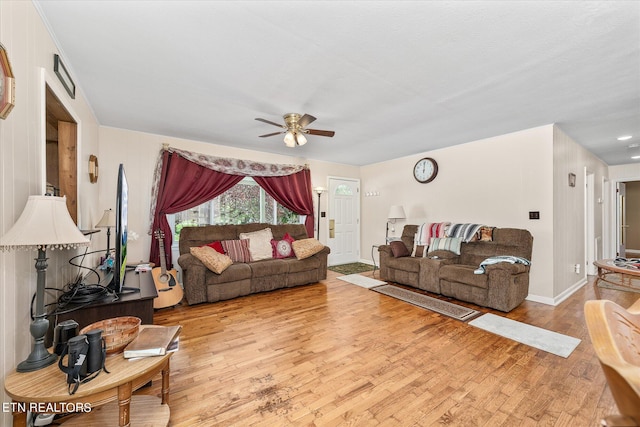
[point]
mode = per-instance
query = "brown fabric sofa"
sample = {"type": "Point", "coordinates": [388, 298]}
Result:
{"type": "Point", "coordinates": [203, 285]}
{"type": "Point", "coordinates": [503, 286]}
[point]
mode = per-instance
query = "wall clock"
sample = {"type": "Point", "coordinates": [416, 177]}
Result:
{"type": "Point", "coordinates": [425, 170]}
{"type": "Point", "coordinates": [7, 85]}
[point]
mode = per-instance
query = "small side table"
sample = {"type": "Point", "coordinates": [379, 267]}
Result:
{"type": "Point", "coordinates": [49, 386]}
{"type": "Point", "coordinates": [373, 258]}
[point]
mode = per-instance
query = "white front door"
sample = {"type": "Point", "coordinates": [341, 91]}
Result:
{"type": "Point", "coordinates": [344, 221]}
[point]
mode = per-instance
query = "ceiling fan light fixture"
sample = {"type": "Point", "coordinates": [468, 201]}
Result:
{"type": "Point", "coordinates": [289, 140]}
{"type": "Point", "coordinates": [300, 139]}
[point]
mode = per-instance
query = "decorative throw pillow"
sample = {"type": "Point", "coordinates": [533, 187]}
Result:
{"type": "Point", "coordinates": [259, 244]}
{"type": "Point", "coordinates": [216, 245]}
{"type": "Point", "coordinates": [212, 259]}
{"type": "Point", "coordinates": [282, 248]}
{"type": "Point", "coordinates": [238, 250]}
{"type": "Point", "coordinates": [451, 244]}
{"type": "Point", "coordinates": [399, 249]}
{"type": "Point", "coordinates": [486, 234]}
{"type": "Point", "coordinates": [304, 248]}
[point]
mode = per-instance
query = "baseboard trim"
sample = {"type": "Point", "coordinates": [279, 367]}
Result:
{"type": "Point", "coordinates": [559, 298]}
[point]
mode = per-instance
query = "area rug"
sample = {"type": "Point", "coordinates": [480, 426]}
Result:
{"type": "Point", "coordinates": [352, 268]}
{"type": "Point", "coordinates": [363, 281]}
{"type": "Point", "coordinates": [542, 339]}
{"type": "Point", "coordinates": [455, 311]}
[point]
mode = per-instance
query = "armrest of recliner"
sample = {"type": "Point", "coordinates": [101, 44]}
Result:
{"type": "Point", "coordinates": [194, 279]}
{"type": "Point", "coordinates": [507, 267]}
{"type": "Point", "coordinates": [386, 249]}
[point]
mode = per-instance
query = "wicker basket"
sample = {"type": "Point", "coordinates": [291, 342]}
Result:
{"type": "Point", "coordinates": [117, 332]}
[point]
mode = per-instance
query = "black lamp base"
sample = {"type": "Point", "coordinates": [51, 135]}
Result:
{"type": "Point", "coordinates": [29, 365]}
{"type": "Point", "coordinates": [40, 356]}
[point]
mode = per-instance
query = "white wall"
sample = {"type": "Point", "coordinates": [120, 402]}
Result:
{"type": "Point", "coordinates": [495, 181]}
{"type": "Point", "coordinates": [139, 152]}
{"type": "Point", "coordinates": [31, 50]}
{"type": "Point", "coordinates": [629, 172]}
{"type": "Point", "coordinates": [569, 203]}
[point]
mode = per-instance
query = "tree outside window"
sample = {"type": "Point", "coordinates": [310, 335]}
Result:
{"type": "Point", "coordinates": [245, 203]}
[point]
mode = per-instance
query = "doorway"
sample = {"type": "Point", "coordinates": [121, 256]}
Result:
{"type": "Point", "coordinates": [344, 221]}
{"type": "Point", "coordinates": [61, 152]}
{"type": "Point", "coordinates": [627, 219]}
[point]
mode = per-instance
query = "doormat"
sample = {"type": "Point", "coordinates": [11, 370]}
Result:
{"type": "Point", "coordinates": [352, 268]}
{"type": "Point", "coordinates": [363, 281]}
{"type": "Point", "coordinates": [542, 339]}
{"type": "Point", "coordinates": [454, 311]}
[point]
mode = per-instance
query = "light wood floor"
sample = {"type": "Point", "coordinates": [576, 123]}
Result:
{"type": "Point", "coordinates": [335, 354]}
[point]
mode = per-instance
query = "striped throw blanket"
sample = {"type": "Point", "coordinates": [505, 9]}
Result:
{"type": "Point", "coordinates": [423, 237]}
{"type": "Point", "coordinates": [428, 230]}
{"type": "Point", "coordinates": [466, 232]}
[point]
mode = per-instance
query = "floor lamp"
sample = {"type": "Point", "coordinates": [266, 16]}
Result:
{"type": "Point", "coordinates": [44, 224]}
{"type": "Point", "coordinates": [319, 190]}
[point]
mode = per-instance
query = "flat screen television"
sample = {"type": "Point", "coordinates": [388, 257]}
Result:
{"type": "Point", "coordinates": [120, 261]}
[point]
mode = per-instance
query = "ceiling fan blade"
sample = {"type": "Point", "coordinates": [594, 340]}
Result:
{"type": "Point", "coordinates": [306, 120]}
{"type": "Point", "coordinates": [280, 125]}
{"type": "Point", "coordinates": [328, 133]}
{"type": "Point", "coordinates": [271, 134]}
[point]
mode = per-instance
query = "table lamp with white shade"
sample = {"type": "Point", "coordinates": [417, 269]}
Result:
{"type": "Point", "coordinates": [44, 224]}
{"type": "Point", "coordinates": [395, 212]}
{"type": "Point", "coordinates": [107, 221]}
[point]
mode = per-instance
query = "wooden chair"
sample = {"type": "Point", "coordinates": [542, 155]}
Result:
{"type": "Point", "coordinates": [615, 335]}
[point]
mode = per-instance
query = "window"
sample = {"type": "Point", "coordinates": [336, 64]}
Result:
{"type": "Point", "coordinates": [246, 202]}
{"type": "Point", "coordinates": [343, 190]}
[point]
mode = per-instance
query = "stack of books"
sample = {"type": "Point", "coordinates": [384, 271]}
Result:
{"type": "Point", "coordinates": [153, 340]}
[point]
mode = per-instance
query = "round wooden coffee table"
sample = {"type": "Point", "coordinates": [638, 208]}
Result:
{"type": "Point", "coordinates": [47, 389]}
{"type": "Point", "coordinates": [618, 277]}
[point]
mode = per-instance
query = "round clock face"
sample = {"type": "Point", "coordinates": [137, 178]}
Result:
{"type": "Point", "coordinates": [425, 170]}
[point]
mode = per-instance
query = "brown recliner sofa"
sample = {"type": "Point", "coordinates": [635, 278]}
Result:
{"type": "Point", "coordinates": [203, 285]}
{"type": "Point", "coordinates": [503, 285]}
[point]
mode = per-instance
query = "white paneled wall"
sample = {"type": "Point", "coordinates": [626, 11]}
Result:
{"type": "Point", "coordinates": [31, 50]}
{"type": "Point", "coordinates": [569, 204]}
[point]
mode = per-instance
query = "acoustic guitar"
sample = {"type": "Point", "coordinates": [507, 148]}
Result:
{"type": "Point", "coordinates": [169, 290]}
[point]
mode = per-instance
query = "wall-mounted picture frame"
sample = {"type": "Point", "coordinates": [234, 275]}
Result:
{"type": "Point", "coordinates": [572, 180]}
{"type": "Point", "coordinates": [7, 84]}
{"type": "Point", "coordinates": [64, 76]}
{"type": "Point", "coordinates": [93, 169]}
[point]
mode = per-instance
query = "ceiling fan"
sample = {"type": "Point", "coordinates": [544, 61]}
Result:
{"type": "Point", "coordinates": [295, 126]}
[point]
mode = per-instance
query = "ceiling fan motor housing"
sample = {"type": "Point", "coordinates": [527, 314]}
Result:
{"type": "Point", "coordinates": [291, 120]}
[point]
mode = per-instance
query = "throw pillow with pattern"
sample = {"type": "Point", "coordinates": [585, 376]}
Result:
{"type": "Point", "coordinates": [238, 250]}
{"type": "Point", "coordinates": [282, 248]}
{"type": "Point", "coordinates": [304, 248]}
{"type": "Point", "coordinates": [212, 259]}
{"type": "Point", "coordinates": [451, 244]}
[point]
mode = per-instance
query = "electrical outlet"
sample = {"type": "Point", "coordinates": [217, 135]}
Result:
{"type": "Point", "coordinates": [534, 214]}
{"type": "Point", "coordinates": [576, 268]}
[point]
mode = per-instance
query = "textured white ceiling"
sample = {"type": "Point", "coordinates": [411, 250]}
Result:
{"type": "Point", "coordinates": [391, 78]}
